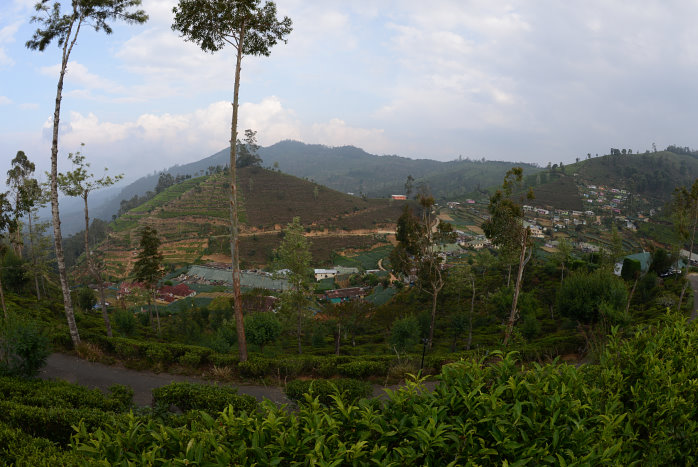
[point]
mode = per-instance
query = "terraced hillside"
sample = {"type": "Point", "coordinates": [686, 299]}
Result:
{"type": "Point", "coordinates": [192, 220]}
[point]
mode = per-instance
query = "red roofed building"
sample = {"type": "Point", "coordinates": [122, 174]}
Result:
{"type": "Point", "coordinates": [170, 293]}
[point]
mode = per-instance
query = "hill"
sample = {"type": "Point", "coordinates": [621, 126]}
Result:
{"type": "Point", "coordinates": [192, 218]}
{"type": "Point", "coordinates": [652, 175]}
{"type": "Point", "coordinates": [346, 169]}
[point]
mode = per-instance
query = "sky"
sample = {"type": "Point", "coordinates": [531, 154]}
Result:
{"type": "Point", "coordinates": [535, 81]}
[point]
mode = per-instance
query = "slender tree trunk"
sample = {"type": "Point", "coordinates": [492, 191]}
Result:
{"type": "Point", "coordinates": [630, 298]}
{"type": "Point", "coordinates": [509, 276]}
{"type": "Point", "coordinates": [517, 288]}
{"type": "Point", "coordinates": [338, 338]}
{"type": "Point", "coordinates": [470, 318]}
{"type": "Point", "coordinates": [33, 253]}
{"type": "Point", "coordinates": [300, 350]}
{"type": "Point", "coordinates": [92, 268]}
{"type": "Point", "coordinates": [157, 312]}
{"type": "Point", "coordinates": [234, 234]}
{"type": "Point", "coordinates": [683, 291]}
{"type": "Point", "coordinates": [435, 297]}
{"type": "Point", "coordinates": [57, 236]}
{"type": "Point", "coordinates": [2, 297]}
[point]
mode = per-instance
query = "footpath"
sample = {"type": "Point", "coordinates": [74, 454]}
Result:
{"type": "Point", "coordinates": [97, 375]}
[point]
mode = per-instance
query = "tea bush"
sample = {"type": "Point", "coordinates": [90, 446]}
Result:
{"type": "Point", "coordinates": [211, 399]}
{"type": "Point", "coordinates": [349, 390]}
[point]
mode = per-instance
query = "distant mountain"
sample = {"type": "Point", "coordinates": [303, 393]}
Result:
{"type": "Point", "coordinates": [347, 169]}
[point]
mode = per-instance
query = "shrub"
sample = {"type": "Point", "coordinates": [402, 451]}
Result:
{"type": "Point", "coordinates": [581, 295]}
{"type": "Point", "coordinates": [349, 390]}
{"type": "Point", "coordinates": [362, 369]}
{"type": "Point", "coordinates": [254, 367]}
{"type": "Point", "coordinates": [404, 334]}
{"type": "Point", "coordinates": [125, 322]}
{"type": "Point", "coordinates": [24, 348]}
{"type": "Point", "coordinates": [262, 328]}
{"type": "Point", "coordinates": [211, 399]}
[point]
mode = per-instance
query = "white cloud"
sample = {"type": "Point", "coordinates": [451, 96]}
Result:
{"type": "Point", "coordinates": [4, 100]}
{"type": "Point", "coordinates": [29, 106]}
{"type": "Point", "coordinates": [152, 142]}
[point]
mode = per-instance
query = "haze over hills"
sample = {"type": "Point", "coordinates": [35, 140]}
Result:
{"type": "Point", "coordinates": [346, 169]}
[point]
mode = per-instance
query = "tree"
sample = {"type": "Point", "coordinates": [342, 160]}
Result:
{"type": "Point", "coordinates": [505, 228]}
{"type": "Point", "coordinates": [247, 151]}
{"type": "Point", "coordinates": [685, 212]}
{"type": "Point", "coordinates": [25, 191]}
{"type": "Point", "coordinates": [417, 253]}
{"type": "Point", "coordinates": [404, 334]}
{"type": "Point", "coordinates": [148, 267]}
{"type": "Point", "coordinates": [86, 298]}
{"type": "Point", "coordinates": [409, 185]}
{"type": "Point", "coordinates": [64, 28]}
{"type": "Point", "coordinates": [28, 196]}
{"type": "Point", "coordinates": [294, 255]}
{"type": "Point", "coordinates": [251, 29]}
{"type": "Point", "coordinates": [5, 222]}
{"type": "Point", "coordinates": [262, 328]}
{"type": "Point", "coordinates": [80, 182]}
{"type": "Point", "coordinates": [564, 249]}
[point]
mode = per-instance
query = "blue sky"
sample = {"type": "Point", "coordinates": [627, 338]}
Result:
{"type": "Point", "coordinates": [533, 81]}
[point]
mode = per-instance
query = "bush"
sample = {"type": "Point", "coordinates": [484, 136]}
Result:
{"type": "Point", "coordinates": [262, 328]}
{"type": "Point", "coordinates": [125, 322]}
{"type": "Point", "coordinates": [211, 399]}
{"type": "Point", "coordinates": [362, 369]}
{"type": "Point", "coordinates": [254, 367]}
{"type": "Point", "coordinates": [349, 390]}
{"type": "Point", "coordinates": [405, 334]}
{"type": "Point", "coordinates": [24, 348]}
{"type": "Point", "coordinates": [581, 295]}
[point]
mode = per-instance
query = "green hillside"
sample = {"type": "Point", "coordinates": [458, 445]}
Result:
{"type": "Point", "coordinates": [192, 219]}
{"type": "Point", "coordinates": [653, 175]}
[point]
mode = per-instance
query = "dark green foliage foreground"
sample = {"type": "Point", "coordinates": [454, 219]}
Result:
{"type": "Point", "coordinates": [637, 407]}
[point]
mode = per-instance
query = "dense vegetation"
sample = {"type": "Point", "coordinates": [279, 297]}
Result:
{"type": "Point", "coordinates": [636, 407]}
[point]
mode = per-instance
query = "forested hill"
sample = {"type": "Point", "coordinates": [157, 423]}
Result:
{"type": "Point", "coordinates": [653, 175]}
{"type": "Point", "coordinates": [347, 169]}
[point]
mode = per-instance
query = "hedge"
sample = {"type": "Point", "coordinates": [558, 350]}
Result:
{"type": "Point", "coordinates": [211, 399]}
{"type": "Point", "coordinates": [349, 390]}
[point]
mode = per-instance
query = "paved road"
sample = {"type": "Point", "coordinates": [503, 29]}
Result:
{"type": "Point", "coordinates": [97, 375]}
{"type": "Point", "coordinates": [100, 376]}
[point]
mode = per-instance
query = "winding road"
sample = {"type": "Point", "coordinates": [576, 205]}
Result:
{"type": "Point", "coordinates": [97, 375]}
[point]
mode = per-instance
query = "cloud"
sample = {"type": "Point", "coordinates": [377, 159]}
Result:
{"type": "Point", "coordinates": [5, 100]}
{"type": "Point", "coordinates": [155, 141]}
{"type": "Point", "coordinates": [7, 36]}
{"type": "Point", "coordinates": [29, 106]}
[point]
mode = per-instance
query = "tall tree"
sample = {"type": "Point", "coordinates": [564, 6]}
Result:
{"type": "Point", "coordinates": [64, 28]}
{"type": "Point", "coordinates": [25, 192]}
{"type": "Point", "coordinates": [5, 222]}
{"type": "Point", "coordinates": [417, 253]}
{"type": "Point", "coordinates": [148, 266]}
{"type": "Point", "coordinates": [294, 255]}
{"type": "Point", "coordinates": [685, 210]}
{"type": "Point", "coordinates": [80, 182]}
{"type": "Point", "coordinates": [505, 228]}
{"type": "Point", "coordinates": [251, 29]}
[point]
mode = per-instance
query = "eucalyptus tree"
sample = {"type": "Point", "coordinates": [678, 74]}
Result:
{"type": "Point", "coordinates": [80, 182]}
{"type": "Point", "coordinates": [5, 223]}
{"type": "Point", "coordinates": [25, 193]}
{"type": "Point", "coordinates": [506, 229]}
{"type": "Point", "coordinates": [251, 29]}
{"type": "Point", "coordinates": [148, 266]}
{"type": "Point", "coordinates": [417, 254]}
{"type": "Point", "coordinates": [63, 26]}
{"type": "Point", "coordinates": [294, 254]}
{"type": "Point", "coordinates": [685, 211]}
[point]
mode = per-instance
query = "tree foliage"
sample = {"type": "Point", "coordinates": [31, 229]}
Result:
{"type": "Point", "coordinates": [262, 328]}
{"type": "Point", "coordinates": [581, 296]}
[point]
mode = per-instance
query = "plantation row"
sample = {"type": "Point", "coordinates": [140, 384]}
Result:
{"type": "Point", "coordinates": [637, 407]}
